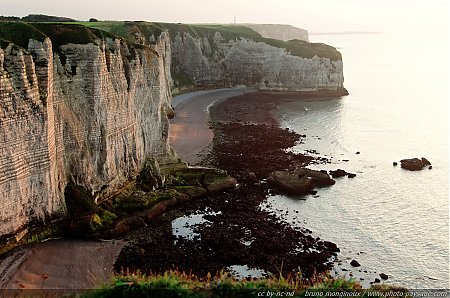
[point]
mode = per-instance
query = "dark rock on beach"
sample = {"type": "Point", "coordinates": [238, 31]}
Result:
{"type": "Point", "coordinates": [299, 182]}
{"type": "Point", "coordinates": [341, 173]}
{"type": "Point", "coordinates": [291, 183]}
{"type": "Point", "coordinates": [355, 263]}
{"type": "Point", "coordinates": [338, 173]}
{"type": "Point", "coordinates": [384, 276]}
{"type": "Point", "coordinates": [414, 164]}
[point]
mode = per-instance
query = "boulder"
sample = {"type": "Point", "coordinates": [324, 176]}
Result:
{"type": "Point", "coordinates": [319, 178]}
{"type": "Point", "coordinates": [384, 276]}
{"type": "Point", "coordinates": [300, 182]}
{"type": "Point", "coordinates": [338, 173]}
{"type": "Point", "coordinates": [331, 246]}
{"type": "Point", "coordinates": [218, 181]}
{"type": "Point", "coordinates": [355, 263]}
{"type": "Point", "coordinates": [414, 164]}
{"type": "Point", "coordinates": [341, 173]}
{"type": "Point", "coordinates": [291, 183]}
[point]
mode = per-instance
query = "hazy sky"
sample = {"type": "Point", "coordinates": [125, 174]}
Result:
{"type": "Point", "coordinates": [314, 15]}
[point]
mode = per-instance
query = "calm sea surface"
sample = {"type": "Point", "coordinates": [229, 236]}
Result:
{"type": "Point", "coordinates": [389, 219]}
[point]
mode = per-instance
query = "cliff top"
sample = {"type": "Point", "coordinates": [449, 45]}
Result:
{"type": "Point", "coordinates": [296, 47]}
{"type": "Point", "coordinates": [141, 32]}
{"type": "Point", "coordinates": [20, 33]}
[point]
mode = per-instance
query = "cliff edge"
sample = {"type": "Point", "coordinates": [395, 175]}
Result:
{"type": "Point", "coordinates": [83, 105]}
{"type": "Point", "coordinates": [213, 56]}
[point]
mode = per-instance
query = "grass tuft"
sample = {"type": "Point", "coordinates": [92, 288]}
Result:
{"type": "Point", "coordinates": [181, 284]}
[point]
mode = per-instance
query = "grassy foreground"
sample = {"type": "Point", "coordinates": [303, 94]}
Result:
{"type": "Point", "coordinates": [176, 284]}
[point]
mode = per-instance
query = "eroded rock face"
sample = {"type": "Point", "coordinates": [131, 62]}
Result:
{"type": "Point", "coordinates": [216, 61]}
{"type": "Point", "coordinates": [90, 114]}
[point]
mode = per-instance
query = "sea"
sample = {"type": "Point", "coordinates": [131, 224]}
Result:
{"type": "Point", "coordinates": [390, 220]}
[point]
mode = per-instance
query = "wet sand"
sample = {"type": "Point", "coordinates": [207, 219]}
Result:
{"type": "Point", "coordinates": [60, 264]}
{"type": "Point", "coordinates": [189, 131]}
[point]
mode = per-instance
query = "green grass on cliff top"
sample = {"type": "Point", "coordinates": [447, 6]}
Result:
{"type": "Point", "coordinates": [176, 284]}
{"type": "Point", "coordinates": [19, 33]}
{"type": "Point", "coordinates": [60, 34]}
{"type": "Point", "coordinates": [88, 32]}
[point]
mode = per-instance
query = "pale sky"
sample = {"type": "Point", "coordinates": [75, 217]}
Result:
{"type": "Point", "coordinates": [313, 15]}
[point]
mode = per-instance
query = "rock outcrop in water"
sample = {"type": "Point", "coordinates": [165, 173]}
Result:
{"type": "Point", "coordinates": [415, 164]}
{"type": "Point", "coordinates": [87, 113]}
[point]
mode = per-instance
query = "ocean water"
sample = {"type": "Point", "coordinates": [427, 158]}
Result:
{"type": "Point", "coordinates": [389, 219]}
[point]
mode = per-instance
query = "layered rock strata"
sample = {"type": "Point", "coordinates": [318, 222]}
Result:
{"type": "Point", "coordinates": [83, 114]}
{"type": "Point", "coordinates": [216, 61]}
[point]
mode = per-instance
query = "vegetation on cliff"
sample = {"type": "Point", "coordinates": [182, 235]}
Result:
{"type": "Point", "coordinates": [176, 284]}
{"type": "Point", "coordinates": [130, 30]}
{"type": "Point", "coordinates": [19, 33]}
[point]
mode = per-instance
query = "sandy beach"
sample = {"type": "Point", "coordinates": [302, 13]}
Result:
{"type": "Point", "coordinates": [189, 131]}
{"type": "Point", "coordinates": [60, 264]}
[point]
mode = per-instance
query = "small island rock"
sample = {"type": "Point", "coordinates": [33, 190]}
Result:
{"type": "Point", "coordinates": [414, 164]}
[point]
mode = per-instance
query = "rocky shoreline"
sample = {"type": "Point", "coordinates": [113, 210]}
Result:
{"type": "Point", "coordinates": [249, 144]}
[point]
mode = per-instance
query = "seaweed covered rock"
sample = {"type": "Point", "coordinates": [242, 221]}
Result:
{"type": "Point", "coordinates": [299, 182]}
{"type": "Point", "coordinates": [290, 182]}
{"type": "Point", "coordinates": [150, 177]}
{"type": "Point", "coordinates": [213, 180]}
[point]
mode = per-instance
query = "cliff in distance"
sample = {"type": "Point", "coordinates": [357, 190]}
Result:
{"type": "Point", "coordinates": [208, 55]}
{"type": "Point", "coordinates": [278, 31]}
{"type": "Point", "coordinates": [85, 104]}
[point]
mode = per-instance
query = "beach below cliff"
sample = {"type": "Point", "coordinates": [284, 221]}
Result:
{"type": "Point", "coordinates": [244, 139]}
{"type": "Point", "coordinates": [189, 131]}
{"type": "Point", "coordinates": [59, 264]}
{"type": "Point", "coordinates": [229, 229]}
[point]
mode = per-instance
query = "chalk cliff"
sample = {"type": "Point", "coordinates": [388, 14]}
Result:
{"type": "Point", "coordinates": [247, 62]}
{"type": "Point", "coordinates": [81, 106]}
{"type": "Point", "coordinates": [84, 113]}
{"type": "Point", "coordinates": [228, 55]}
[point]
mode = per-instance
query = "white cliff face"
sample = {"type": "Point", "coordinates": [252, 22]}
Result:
{"type": "Point", "coordinates": [90, 115]}
{"type": "Point", "coordinates": [253, 64]}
